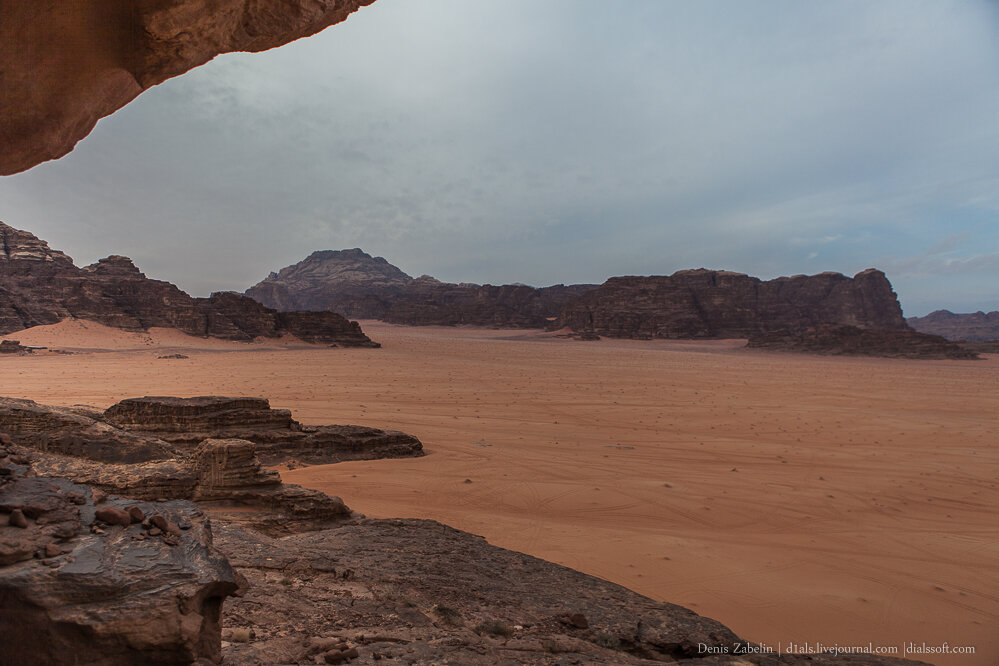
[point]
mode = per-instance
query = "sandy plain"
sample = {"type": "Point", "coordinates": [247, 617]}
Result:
{"type": "Point", "coordinates": [801, 500]}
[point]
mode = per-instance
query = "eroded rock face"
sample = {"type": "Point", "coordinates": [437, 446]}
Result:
{"type": "Point", "coordinates": [355, 284]}
{"type": "Point", "coordinates": [39, 286]}
{"type": "Point", "coordinates": [973, 327]}
{"type": "Point", "coordinates": [69, 432]}
{"type": "Point", "coordinates": [720, 304]}
{"type": "Point", "coordinates": [110, 51]}
{"type": "Point", "coordinates": [75, 588]}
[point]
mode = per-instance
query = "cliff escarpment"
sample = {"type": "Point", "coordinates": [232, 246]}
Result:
{"type": "Point", "coordinates": [721, 304]}
{"type": "Point", "coordinates": [39, 285]}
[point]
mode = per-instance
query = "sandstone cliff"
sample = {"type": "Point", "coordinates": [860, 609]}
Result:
{"type": "Point", "coordinates": [109, 52]}
{"type": "Point", "coordinates": [720, 304]}
{"type": "Point", "coordinates": [973, 327]}
{"type": "Point", "coordinates": [39, 285]}
{"type": "Point", "coordinates": [357, 285]}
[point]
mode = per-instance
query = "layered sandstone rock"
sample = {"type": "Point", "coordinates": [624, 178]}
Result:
{"type": "Point", "coordinates": [69, 432]}
{"type": "Point", "coordinates": [355, 284]}
{"type": "Point", "coordinates": [39, 285]}
{"type": "Point", "coordinates": [973, 327]}
{"type": "Point", "coordinates": [720, 304]}
{"type": "Point", "coordinates": [69, 63]}
{"type": "Point", "coordinates": [82, 581]}
{"type": "Point", "coordinates": [834, 339]}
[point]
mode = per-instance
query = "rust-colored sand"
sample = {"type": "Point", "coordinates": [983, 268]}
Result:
{"type": "Point", "coordinates": [795, 498]}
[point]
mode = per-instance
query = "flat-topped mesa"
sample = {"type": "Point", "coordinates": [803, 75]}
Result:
{"type": "Point", "coordinates": [720, 304]}
{"type": "Point", "coordinates": [199, 414]}
{"type": "Point", "coordinates": [43, 286]}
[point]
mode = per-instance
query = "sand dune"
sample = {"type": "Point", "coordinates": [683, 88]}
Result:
{"type": "Point", "coordinates": [795, 498]}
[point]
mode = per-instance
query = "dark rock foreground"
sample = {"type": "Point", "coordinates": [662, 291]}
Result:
{"type": "Point", "coordinates": [39, 285]}
{"type": "Point", "coordinates": [87, 578]}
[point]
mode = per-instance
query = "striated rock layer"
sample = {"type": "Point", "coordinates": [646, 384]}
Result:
{"type": "Point", "coordinates": [110, 51]}
{"type": "Point", "coordinates": [720, 304]}
{"type": "Point", "coordinates": [973, 327]}
{"type": "Point", "coordinates": [39, 285]}
{"type": "Point", "coordinates": [355, 284]}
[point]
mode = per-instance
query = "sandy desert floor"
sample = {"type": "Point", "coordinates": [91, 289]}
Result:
{"type": "Point", "coordinates": [797, 499]}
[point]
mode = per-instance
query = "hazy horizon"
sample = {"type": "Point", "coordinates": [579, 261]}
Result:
{"type": "Point", "coordinates": [465, 141]}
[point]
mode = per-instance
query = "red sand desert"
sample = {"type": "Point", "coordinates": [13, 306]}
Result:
{"type": "Point", "coordinates": [798, 499]}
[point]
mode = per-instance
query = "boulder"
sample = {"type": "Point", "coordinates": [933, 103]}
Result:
{"type": "Point", "coordinates": [78, 589]}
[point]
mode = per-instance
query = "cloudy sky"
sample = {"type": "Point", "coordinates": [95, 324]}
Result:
{"type": "Point", "coordinates": [563, 141]}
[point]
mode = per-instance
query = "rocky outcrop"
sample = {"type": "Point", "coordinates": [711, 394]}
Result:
{"type": "Point", "coordinates": [39, 286]}
{"type": "Point", "coordinates": [84, 579]}
{"type": "Point", "coordinates": [109, 52]}
{"type": "Point", "coordinates": [69, 432]}
{"type": "Point", "coordinates": [357, 285]}
{"type": "Point", "coordinates": [224, 476]}
{"type": "Point", "coordinates": [838, 340]}
{"type": "Point", "coordinates": [185, 422]}
{"type": "Point", "coordinates": [415, 591]}
{"type": "Point", "coordinates": [205, 414]}
{"type": "Point", "coordinates": [972, 327]}
{"type": "Point", "coordinates": [720, 304]}
{"type": "Point", "coordinates": [151, 429]}
{"type": "Point", "coordinates": [13, 347]}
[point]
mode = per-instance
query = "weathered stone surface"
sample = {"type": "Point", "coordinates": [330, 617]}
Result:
{"type": "Point", "coordinates": [109, 52]}
{"type": "Point", "coordinates": [852, 341]}
{"type": "Point", "coordinates": [104, 594]}
{"type": "Point", "coordinates": [720, 304]}
{"type": "Point", "coordinates": [43, 286]}
{"type": "Point", "coordinates": [973, 327]}
{"type": "Point", "coordinates": [412, 591]}
{"type": "Point", "coordinates": [65, 431]}
{"type": "Point", "coordinates": [357, 285]}
{"type": "Point", "coordinates": [200, 414]}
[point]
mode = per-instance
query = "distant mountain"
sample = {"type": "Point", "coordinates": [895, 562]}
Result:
{"type": "Point", "coordinates": [973, 327]}
{"type": "Point", "coordinates": [357, 285]}
{"type": "Point", "coordinates": [39, 285]}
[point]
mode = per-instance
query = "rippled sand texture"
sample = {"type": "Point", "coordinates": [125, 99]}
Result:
{"type": "Point", "coordinates": [794, 498]}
